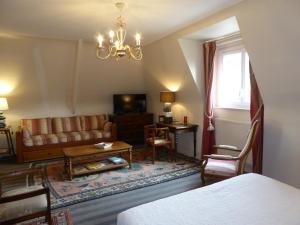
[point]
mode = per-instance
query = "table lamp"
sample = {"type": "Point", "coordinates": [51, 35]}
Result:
{"type": "Point", "coordinates": [167, 97]}
{"type": "Point", "coordinates": [3, 107]}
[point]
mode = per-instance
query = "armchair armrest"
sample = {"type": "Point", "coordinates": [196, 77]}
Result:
{"type": "Point", "coordinates": [221, 157]}
{"type": "Point", "coordinates": [227, 147]}
{"type": "Point", "coordinates": [28, 171]}
{"type": "Point", "coordinates": [24, 172]}
{"type": "Point", "coordinates": [44, 190]}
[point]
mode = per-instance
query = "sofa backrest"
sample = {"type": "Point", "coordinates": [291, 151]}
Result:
{"type": "Point", "coordinates": [93, 122]}
{"type": "Point", "coordinates": [37, 126]}
{"type": "Point", "coordinates": [66, 124]}
{"type": "Point", "coordinates": [63, 124]}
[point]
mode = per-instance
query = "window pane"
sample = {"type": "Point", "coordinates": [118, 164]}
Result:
{"type": "Point", "coordinates": [230, 79]}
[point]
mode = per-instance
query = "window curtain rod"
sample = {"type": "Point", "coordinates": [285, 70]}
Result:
{"type": "Point", "coordinates": [225, 37]}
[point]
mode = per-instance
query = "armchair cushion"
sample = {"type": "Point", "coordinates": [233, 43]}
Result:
{"type": "Point", "coordinates": [158, 141]}
{"type": "Point", "coordinates": [22, 207]}
{"type": "Point", "coordinates": [221, 167]}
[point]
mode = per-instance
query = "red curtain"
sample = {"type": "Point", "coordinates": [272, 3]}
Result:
{"type": "Point", "coordinates": [208, 134]}
{"type": "Point", "coordinates": [257, 113]}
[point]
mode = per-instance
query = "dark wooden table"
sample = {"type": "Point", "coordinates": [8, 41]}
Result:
{"type": "Point", "coordinates": [79, 155]}
{"type": "Point", "coordinates": [179, 128]}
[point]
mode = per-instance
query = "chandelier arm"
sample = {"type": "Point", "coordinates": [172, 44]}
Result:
{"type": "Point", "coordinates": [137, 54]}
{"type": "Point", "coordinates": [110, 50]}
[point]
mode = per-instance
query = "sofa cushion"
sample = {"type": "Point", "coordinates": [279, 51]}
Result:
{"type": "Point", "coordinates": [69, 137]}
{"type": "Point", "coordinates": [92, 134]}
{"type": "Point", "coordinates": [94, 122]}
{"type": "Point", "coordinates": [36, 126]}
{"type": "Point", "coordinates": [23, 207]}
{"type": "Point", "coordinates": [41, 140]}
{"type": "Point", "coordinates": [66, 124]}
{"type": "Point", "coordinates": [37, 140]}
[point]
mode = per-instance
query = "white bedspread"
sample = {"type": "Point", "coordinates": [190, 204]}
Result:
{"type": "Point", "coordinates": [244, 200]}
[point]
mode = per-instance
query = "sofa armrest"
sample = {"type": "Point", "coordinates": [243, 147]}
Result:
{"type": "Point", "coordinates": [112, 128]}
{"type": "Point", "coordinates": [107, 126]}
{"type": "Point", "coordinates": [19, 145]}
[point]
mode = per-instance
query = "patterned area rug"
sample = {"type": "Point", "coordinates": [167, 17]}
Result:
{"type": "Point", "coordinates": [62, 217]}
{"type": "Point", "coordinates": [84, 188]}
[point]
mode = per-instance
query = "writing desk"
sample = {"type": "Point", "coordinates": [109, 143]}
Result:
{"type": "Point", "coordinates": [179, 128]}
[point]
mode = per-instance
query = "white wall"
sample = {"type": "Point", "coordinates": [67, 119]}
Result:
{"type": "Point", "coordinates": [269, 29]}
{"type": "Point", "coordinates": [165, 68]}
{"type": "Point", "coordinates": [41, 74]}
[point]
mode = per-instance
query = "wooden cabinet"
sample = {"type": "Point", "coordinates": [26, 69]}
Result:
{"type": "Point", "coordinates": [130, 127]}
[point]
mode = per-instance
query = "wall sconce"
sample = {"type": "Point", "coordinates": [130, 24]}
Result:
{"type": "Point", "coordinates": [167, 97]}
{"type": "Point", "coordinates": [3, 107]}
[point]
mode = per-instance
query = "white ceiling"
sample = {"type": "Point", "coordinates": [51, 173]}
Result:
{"type": "Point", "coordinates": [82, 19]}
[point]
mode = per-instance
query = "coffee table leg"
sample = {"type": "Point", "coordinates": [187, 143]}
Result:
{"type": "Point", "coordinates": [130, 157]}
{"type": "Point", "coordinates": [65, 165]}
{"type": "Point", "coordinates": [70, 169]}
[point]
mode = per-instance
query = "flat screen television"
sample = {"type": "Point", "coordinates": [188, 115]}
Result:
{"type": "Point", "coordinates": [129, 103]}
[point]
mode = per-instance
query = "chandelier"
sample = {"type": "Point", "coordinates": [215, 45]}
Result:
{"type": "Point", "coordinates": [115, 46]}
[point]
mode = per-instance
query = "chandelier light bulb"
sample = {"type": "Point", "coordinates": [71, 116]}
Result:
{"type": "Point", "coordinates": [138, 39]}
{"type": "Point", "coordinates": [100, 40]}
{"type": "Point", "coordinates": [111, 35]}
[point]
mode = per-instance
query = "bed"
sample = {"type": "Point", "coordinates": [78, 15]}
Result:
{"type": "Point", "coordinates": [249, 199]}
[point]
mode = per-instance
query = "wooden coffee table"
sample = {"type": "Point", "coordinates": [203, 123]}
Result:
{"type": "Point", "coordinates": [79, 155]}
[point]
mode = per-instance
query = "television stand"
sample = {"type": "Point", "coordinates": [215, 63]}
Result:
{"type": "Point", "coordinates": [130, 127]}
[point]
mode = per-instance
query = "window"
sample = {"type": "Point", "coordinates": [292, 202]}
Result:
{"type": "Point", "coordinates": [232, 83]}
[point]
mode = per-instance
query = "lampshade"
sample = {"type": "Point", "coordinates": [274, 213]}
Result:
{"type": "Point", "coordinates": [3, 104]}
{"type": "Point", "coordinates": [167, 96]}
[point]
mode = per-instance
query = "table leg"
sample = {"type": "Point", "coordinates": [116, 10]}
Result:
{"type": "Point", "coordinates": [7, 141]}
{"type": "Point", "coordinates": [130, 158]}
{"type": "Point", "coordinates": [66, 164]}
{"type": "Point", "coordinates": [176, 145]}
{"type": "Point", "coordinates": [70, 169]}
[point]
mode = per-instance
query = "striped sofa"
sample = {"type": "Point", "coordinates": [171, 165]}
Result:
{"type": "Point", "coordinates": [44, 138]}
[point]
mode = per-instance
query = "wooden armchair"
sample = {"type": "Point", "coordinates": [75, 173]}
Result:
{"type": "Point", "coordinates": [227, 166]}
{"type": "Point", "coordinates": [21, 204]}
{"type": "Point", "coordinates": [156, 138]}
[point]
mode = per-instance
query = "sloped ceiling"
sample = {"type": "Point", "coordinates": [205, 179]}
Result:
{"type": "Point", "coordinates": [82, 19]}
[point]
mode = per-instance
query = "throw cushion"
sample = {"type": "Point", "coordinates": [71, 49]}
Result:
{"type": "Point", "coordinates": [37, 126]}
{"type": "Point", "coordinates": [66, 124]}
{"type": "Point", "coordinates": [95, 122]}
